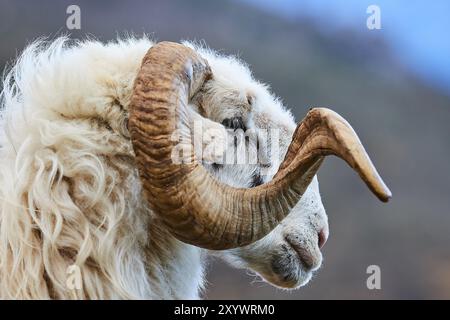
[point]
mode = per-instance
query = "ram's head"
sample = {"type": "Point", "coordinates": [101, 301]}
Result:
{"type": "Point", "coordinates": [197, 208]}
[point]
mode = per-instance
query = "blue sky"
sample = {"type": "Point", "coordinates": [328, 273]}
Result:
{"type": "Point", "coordinates": [418, 31]}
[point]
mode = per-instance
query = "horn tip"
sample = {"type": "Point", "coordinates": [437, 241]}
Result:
{"type": "Point", "coordinates": [384, 195]}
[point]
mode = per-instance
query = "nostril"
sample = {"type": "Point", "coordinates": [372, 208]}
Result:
{"type": "Point", "coordinates": [322, 238]}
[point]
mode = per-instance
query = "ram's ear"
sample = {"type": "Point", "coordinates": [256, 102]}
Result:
{"type": "Point", "coordinates": [198, 100]}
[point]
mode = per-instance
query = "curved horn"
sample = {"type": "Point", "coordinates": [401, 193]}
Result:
{"type": "Point", "coordinates": [197, 208]}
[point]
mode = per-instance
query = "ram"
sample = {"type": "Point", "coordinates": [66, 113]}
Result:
{"type": "Point", "coordinates": [88, 179]}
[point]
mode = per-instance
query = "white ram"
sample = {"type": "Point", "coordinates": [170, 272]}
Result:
{"type": "Point", "coordinates": [71, 191]}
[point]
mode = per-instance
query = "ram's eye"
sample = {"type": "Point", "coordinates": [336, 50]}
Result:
{"type": "Point", "coordinates": [234, 123]}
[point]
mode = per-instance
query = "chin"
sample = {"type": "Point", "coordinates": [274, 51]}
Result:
{"type": "Point", "coordinates": [288, 281]}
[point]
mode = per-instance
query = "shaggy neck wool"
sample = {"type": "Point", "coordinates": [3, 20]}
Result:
{"type": "Point", "coordinates": [70, 192]}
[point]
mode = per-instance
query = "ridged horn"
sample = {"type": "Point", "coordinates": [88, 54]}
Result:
{"type": "Point", "coordinates": [197, 208]}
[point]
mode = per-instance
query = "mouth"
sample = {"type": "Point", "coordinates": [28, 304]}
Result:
{"type": "Point", "coordinates": [309, 261]}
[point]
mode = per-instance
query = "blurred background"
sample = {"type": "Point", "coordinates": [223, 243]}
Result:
{"type": "Point", "coordinates": [392, 84]}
